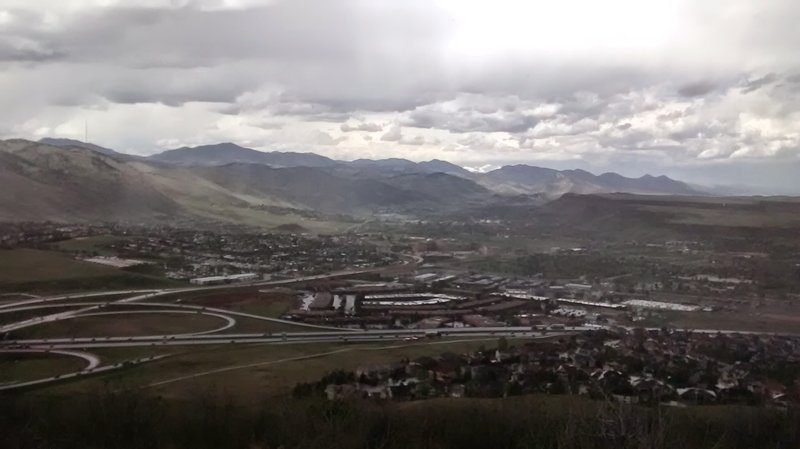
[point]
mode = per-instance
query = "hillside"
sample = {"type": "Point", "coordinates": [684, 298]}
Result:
{"type": "Point", "coordinates": [227, 153]}
{"type": "Point", "coordinates": [510, 179]}
{"type": "Point", "coordinates": [72, 183]}
{"type": "Point", "coordinates": [309, 188]}
{"type": "Point", "coordinates": [44, 182]}
{"type": "Point", "coordinates": [554, 183]}
{"type": "Point", "coordinates": [71, 143]}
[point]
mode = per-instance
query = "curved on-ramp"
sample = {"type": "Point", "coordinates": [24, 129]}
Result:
{"type": "Point", "coordinates": [89, 306]}
{"type": "Point", "coordinates": [230, 322]}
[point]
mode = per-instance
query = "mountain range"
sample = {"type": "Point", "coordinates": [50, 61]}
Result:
{"type": "Point", "coordinates": [67, 180]}
{"type": "Point", "coordinates": [512, 179]}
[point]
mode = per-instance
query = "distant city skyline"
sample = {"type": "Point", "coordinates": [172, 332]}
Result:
{"type": "Point", "coordinates": [706, 92]}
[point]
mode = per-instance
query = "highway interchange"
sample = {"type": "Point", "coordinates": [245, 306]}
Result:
{"type": "Point", "coordinates": [143, 301]}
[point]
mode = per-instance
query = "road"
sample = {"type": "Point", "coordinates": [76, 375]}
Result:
{"type": "Point", "coordinates": [342, 336]}
{"type": "Point", "coordinates": [144, 299]}
{"type": "Point", "coordinates": [140, 295]}
{"type": "Point", "coordinates": [78, 374]}
{"type": "Point", "coordinates": [90, 306]}
{"type": "Point", "coordinates": [229, 321]}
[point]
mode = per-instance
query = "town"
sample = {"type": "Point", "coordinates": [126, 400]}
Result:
{"type": "Point", "coordinates": [645, 367]}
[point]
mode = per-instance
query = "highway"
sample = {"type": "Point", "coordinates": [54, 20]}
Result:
{"type": "Point", "coordinates": [77, 374]}
{"type": "Point", "coordinates": [229, 321]}
{"type": "Point", "coordinates": [146, 302]}
{"type": "Point", "coordinates": [90, 306]}
{"type": "Point", "coordinates": [140, 295]}
{"type": "Point", "coordinates": [282, 337]}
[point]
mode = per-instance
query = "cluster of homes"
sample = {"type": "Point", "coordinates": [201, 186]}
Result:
{"type": "Point", "coordinates": [190, 254]}
{"type": "Point", "coordinates": [31, 234]}
{"type": "Point", "coordinates": [647, 367]}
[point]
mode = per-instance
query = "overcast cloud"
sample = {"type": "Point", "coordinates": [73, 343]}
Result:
{"type": "Point", "coordinates": [704, 90]}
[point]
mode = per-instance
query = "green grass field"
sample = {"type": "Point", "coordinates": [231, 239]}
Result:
{"type": "Point", "coordinates": [98, 244]}
{"type": "Point", "coordinates": [26, 367]}
{"type": "Point", "coordinates": [30, 265]}
{"type": "Point", "coordinates": [249, 325]}
{"type": "Point", "coordinates": [249, 373]}
{"type": "Point", "coordinates": [30, 270]}
{"type": "Point", "coordinates": [123, 326]}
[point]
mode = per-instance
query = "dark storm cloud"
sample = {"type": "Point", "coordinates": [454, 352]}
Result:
{"type": "Point", "coordinates": [174, 90]}
{"type": "Point", "coordinates": [322, 52]}
{"type": "Point", "coordinates": [16, 49]}
{"type": "Point", "coordinates": [697, 89]}
{"type": "Point", "coordinates": [190, 37]}
{"type": "Point", "coordinates": [758, 83]}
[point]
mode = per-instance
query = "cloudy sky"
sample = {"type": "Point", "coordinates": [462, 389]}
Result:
{"type": "Point", "coordinates": [708, 91]}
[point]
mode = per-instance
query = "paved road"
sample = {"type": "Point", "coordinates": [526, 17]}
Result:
{"type": "Point", "coordinates": [40, 300]}
{"type": "Point", "coordinates": [140, 295]}
{"type": "Point", "coordinates": [281, 337]}
{"type": "Point", "coordinates": [89, 306]}
{"type": "Point", "coordinates": [229, 321]}
{"type": "Point", "coordinates": [77, 374]}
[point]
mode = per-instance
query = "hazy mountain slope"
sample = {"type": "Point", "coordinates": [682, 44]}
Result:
{"type": "Point", "coordinates": [647, 183]}
{"type": "Point", "coordinates": [68, 183]}
{"type": "Point", "coordinates": [510, 179]}
{"type": "Point", "coordinates": [392, 164]}
{"type": "Point", "coordinates": [65, 184]}
{"type": "Point", "coordinates": [47, 182]}
{"type": "Point", "coordinates": [404, 165]}
{"type": "Point", "coordinates": [554, 183]}
{"type": "Point", "coordinates": [311, 188]}
{"type": "Point", "coordinates": [442, 186]}
{"type": "Point", "coordinates": [71, 143]}
{"type": "Point", "coordinates": [440, 166]}
{"type": "Point", "coordinates": [227, 153]}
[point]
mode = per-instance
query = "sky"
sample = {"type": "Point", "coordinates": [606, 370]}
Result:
{"type": "Point", "coordinates": [705, 91]}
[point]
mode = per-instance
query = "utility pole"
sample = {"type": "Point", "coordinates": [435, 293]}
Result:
{"type": "Point", "coordinates": [86, 130]}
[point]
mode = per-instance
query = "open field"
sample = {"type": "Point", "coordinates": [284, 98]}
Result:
{"type": "Point", "coordinates": [30, 270]}
{"type": "Point", "coordinates": [249, 325]}
{"type": "Point", "coordinates": [123, 326]}
{"type": "Point", "coordinates": [25, 367]}
{"type": "Point", "coordinates": [30, 265]}
{"type": "Point", "coordinates": [249, 301]}
{"type": "Point", "coordinates": [266, 370]}
{"type": "Point", "coordinates": [98, 244]}
{"type": "Point", "coordinates": [742, 321]}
